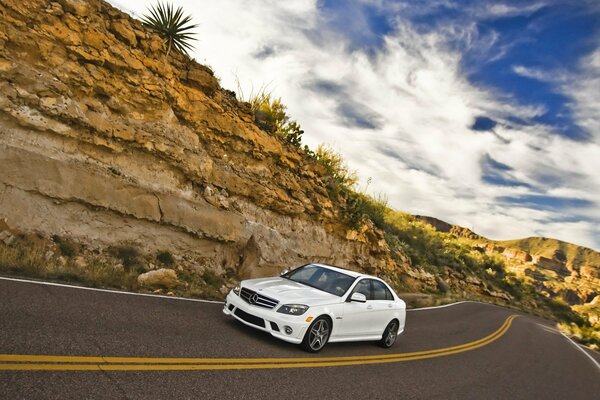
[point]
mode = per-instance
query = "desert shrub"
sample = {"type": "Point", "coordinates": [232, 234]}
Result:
{"type": "Point", "coordinates": [585, 334]}
{"type": "Point", "coordinates": [270, 115]}
{"type": "Point", "coordinates": [212, 279]}
{"type": "Point", "coordinates": [336, 167]}
{"type": "Point", "coordinates": [561, 311]}
{"type": "Point", "coordinates": [166, 258]}
{"type": "Point", "coordinates": [171, 25]}
{"type": "Point", "coordinates": [129, 256]}
{"type": "Point", "coordinates": [67, 248]}
{"type": "Point", "coordinates": [362, 206]}
{"type": "Point", "coordinates": [23, 258]}
{"type": "Point", "coordinates": [292, 133]}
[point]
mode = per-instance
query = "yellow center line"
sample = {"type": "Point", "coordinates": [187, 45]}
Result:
{"type": "Point", "coordinates": [68, 363]}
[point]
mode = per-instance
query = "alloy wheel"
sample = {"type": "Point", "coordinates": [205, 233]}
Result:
{"type": "Point", "coordinates": [319, 334]}
{"type": "Point", "coordinates": [392, 333]}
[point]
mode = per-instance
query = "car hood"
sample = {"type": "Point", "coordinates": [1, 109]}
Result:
{"type": "Point", "coordinates": [288, 292]}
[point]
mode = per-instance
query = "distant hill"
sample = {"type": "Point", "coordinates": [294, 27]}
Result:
{"type": "Point", "coordinates": [572, 255]}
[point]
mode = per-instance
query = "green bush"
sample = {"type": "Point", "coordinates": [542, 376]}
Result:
{"type": "Point", "coordinates": [270, 115]}
{"type": "Point", "coordinates": [335, 166]}
{"type": "Point", "coordinates": [130, 257]}
{"type": "Point", "coordinates": [212, 279]}
{"type": "Point", "coordinates": [171, 25]}
{"type": "Point", "coordinates": [166, 258]}
{"type": "Point", "coordinates": [361, 206]}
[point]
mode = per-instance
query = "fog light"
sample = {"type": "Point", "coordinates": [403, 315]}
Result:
{"type": "Point", "coordinates": [288, 330]}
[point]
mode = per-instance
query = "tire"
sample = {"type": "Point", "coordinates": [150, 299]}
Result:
{"type": "Point", "coordinates": [390, 334]}
{"type": "Point", "coordinates": [317, 335]}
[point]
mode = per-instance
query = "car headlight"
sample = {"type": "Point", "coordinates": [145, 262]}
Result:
{"type": "Point", "coordinates": [293, 309]}
{"type": "Point", "coordinates": [236, 290]}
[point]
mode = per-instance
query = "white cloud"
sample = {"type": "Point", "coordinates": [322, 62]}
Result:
{"type": "Point", "coordinates": [584, 88]}
{"type": "Point", "coordinates": [403, 115]}
{"type": "Point", "coordinates": [509, 10]}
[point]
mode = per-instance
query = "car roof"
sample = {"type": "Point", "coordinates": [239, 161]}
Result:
{"type": "Point", "coordinates": [353, 274]}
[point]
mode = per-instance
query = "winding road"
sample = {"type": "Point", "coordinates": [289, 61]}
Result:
{"type": "Point", "coordinates": [66, 342]}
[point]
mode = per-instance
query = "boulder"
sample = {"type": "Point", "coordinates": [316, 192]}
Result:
{"type": "Point", "coordinates": [164, 278]}
{"type": "Point", "coordinates": [7, 238]}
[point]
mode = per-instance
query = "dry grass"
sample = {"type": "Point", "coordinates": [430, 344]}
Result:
{"type": "Point", "coordinates": [117, 267]}
{"type": "Point", "coordinates": [37, 260]}
{"type": "Point", "coordinates": [589, 336]}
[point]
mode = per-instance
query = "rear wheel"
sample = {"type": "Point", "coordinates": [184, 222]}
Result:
{"type": "Point", "coordinates": [317, 335]}
{"type": "Point", "coordinates": [390, 334]}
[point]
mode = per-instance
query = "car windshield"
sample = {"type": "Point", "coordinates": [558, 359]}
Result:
{"type": "Point", "coordinates": [321, 278]}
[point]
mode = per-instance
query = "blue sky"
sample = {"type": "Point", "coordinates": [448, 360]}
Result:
{"type": "Point", "coordinates": [480, 113]}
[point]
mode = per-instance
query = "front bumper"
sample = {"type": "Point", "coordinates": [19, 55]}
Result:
{"type": "Point", "coordinates": [273, 322]}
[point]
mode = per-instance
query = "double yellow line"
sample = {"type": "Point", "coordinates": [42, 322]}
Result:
{"type": "Point", "coordinates": [15, 362]}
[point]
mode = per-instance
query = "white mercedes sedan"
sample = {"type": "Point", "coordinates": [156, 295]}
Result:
{"type": "Point", "coordinates": [316, 304]}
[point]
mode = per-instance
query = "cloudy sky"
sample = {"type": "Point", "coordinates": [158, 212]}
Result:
{"type": "Point", "coordinates": [484, 114]}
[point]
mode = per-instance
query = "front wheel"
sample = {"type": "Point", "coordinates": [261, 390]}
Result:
{"type": "Point", "coordinates": [390, 334]}
{"type": "Point", "coordinates": [317, 335]}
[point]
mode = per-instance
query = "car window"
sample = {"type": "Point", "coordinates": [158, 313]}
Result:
{"type": "Point", "coordinates": [324, 279]}
{"type": "Point", "coordinates": [306, 274]}
{"type": "Point", "coordinates": [381, 292]}
{"type": "Point", "coordinates": [364, 287]}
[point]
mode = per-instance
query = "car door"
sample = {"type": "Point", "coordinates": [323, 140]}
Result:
{"type": "Point", "coordinates": [383, 305]}
{"type": "Point", "coordinates": [358, 317]}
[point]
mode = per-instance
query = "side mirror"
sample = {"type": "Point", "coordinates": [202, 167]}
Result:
{"type": "Point", "coordinates": [285, 271]}
{"type": "Point", "coordinates": [358, 297]}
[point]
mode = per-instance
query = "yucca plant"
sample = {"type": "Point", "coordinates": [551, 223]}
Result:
{"type": "Point", "coordinates": [171, 25]}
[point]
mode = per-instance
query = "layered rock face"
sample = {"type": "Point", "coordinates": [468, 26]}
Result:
{"type": "Point", "coordinates": [106, 140]}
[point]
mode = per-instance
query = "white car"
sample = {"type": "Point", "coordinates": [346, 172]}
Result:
{"type": "Point", "coordinates": [316, 304]}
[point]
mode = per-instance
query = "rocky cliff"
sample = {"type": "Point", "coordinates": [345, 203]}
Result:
{"type": "Point", "coordinates": [106, 140]}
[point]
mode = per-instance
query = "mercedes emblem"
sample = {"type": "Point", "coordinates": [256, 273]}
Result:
{"type": "Point", "coordinates": [253, 299]}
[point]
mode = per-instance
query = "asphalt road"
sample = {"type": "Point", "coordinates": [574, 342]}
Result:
{"type": "Point", "coordinates": [465, 351]}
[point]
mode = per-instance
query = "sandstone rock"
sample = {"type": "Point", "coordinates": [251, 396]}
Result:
{"type": "Point", "coordinates": [55, 9]}
{"type": "Point", "coordinates": [202, 78]}
{"type": "Point", "coordinates": [589, 271]}
{"type": "Point", "coordinates": [550, 264]}
{"type": "Point", "coordinates": [80, 8]}
{"type": "Point", "coordinates": [491, 248]}
{"type": "Point", "coordinates": [7, 238]}
{"type": "Point", "coordinates": [251, 257]}
{"type": "Point", "coordinates": [80, 262]}
{"type": "Point", "coordinates": [517, 254]}
{"type": "Point", "coordinates": [163, 278]}
{"type": "Point", "coordinates": [473, 280]}
{"type": "Point", "coordinates": [124, 31]}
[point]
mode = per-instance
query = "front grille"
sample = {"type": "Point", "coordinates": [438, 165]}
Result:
{"type": "Point", "coordinates": [252, 319]}
{"type": "Point", "coordinates": [258, 300]}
